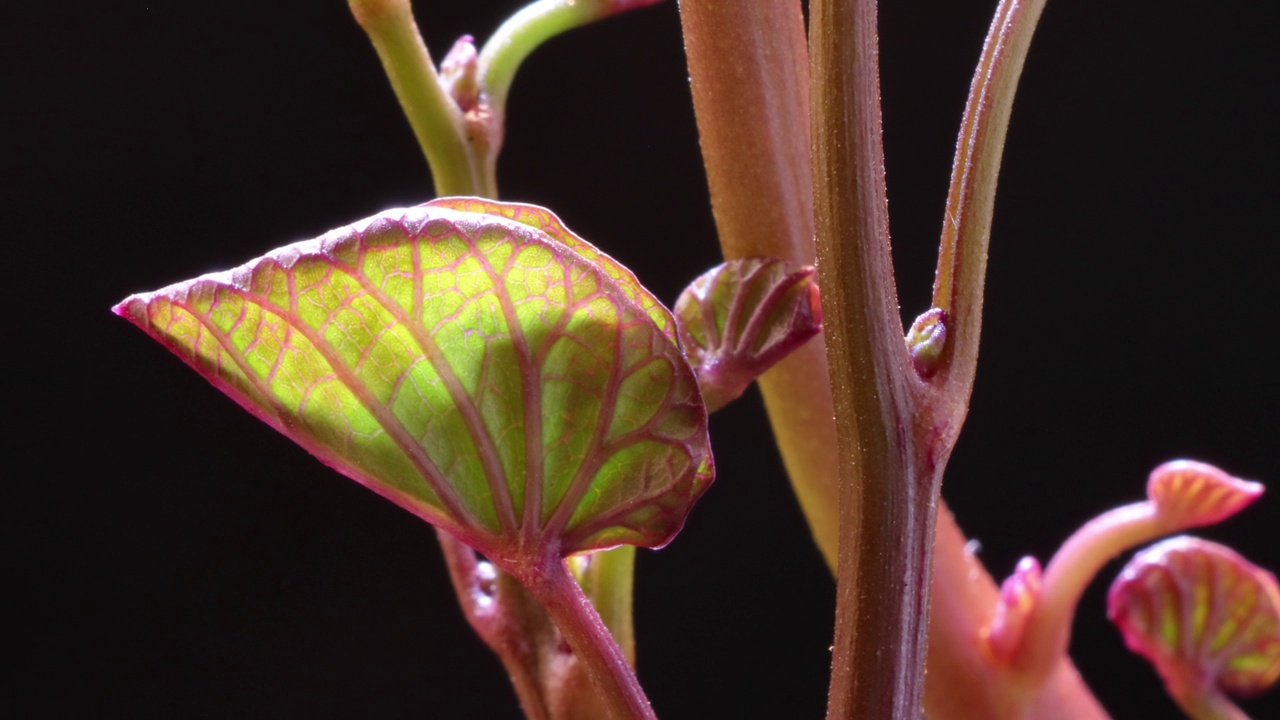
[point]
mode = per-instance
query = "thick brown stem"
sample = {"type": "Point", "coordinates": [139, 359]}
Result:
{"type": "Point", "coordinates": [752, 107]}
{"type": "Point", "coordinates": [888, 477]}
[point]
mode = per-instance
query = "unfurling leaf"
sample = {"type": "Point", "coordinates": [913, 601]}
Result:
{"type": "Point", "coordinates": [1188, 494]}
{"type": "Point", "coordinates": [1031, 626]}
{"type": "Point", "coordinates": [1204, 616]}
{"type": "Point", "coordinates": [458, 74]}
{"type": "Point", "coordinates": [472, 361]}
{"type": "Point", "coordinates": [1019, 594]}
{"type": "Point", "coordinates": [740, 318]}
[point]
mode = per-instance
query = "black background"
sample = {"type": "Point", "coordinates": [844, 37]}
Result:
{"type": "Point", "coordinates": [175, 558]}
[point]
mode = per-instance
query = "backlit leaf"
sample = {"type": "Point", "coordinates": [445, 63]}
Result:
{"type": "Point", "coordinates": [473, 361]}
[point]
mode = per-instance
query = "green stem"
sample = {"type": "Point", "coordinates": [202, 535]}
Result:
{"type": "Point", "coordinates": [609, 581]}
{"type": "Point", "coordinates": [502, 56]}
{"type": "Point", "coordinates": [533, 25]}
{"type": "Point", "coordinates": [436, 120]}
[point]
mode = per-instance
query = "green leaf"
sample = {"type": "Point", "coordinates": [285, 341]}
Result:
{"type": "Point", "coordinates": [546, 221]}
{"type": "Point", "coordinates": [473, 361]}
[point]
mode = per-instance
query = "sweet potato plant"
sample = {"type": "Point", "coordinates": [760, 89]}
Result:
{"type": "Point", "coordinates": [501, 376]}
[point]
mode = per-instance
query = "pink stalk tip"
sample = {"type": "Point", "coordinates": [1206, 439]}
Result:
{"type": "Point", "coordinates": [1019, 594]}
{"type": "Point", "coordinates": [613, 7]}
{"type": "Point", "coordinates": [1187, 493]}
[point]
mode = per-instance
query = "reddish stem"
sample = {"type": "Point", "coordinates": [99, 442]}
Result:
{"type": "Point", "coordinates": [1072, 568]}
{"type": "Point", "coordinates": [497, 623]}
{"type": "Point", "coordinates": [962, 680]}
{"type": "Point", "coordinates": [554, 588]}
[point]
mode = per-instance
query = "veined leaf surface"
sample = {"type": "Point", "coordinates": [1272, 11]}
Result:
{"type": "Point", "coordinates": [1203, 615]}
{"type": "Point", "coordinates": [472, 361]}
{"type": "Point", "coordinates": [1190, 494]}
{"type": "Point", "coordinates": [741, 317]}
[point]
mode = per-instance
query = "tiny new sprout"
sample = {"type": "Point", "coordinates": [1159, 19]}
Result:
{"type": "Point", "coordinates": [1031, 626]}
{"type": "Point", "coordinates": [926, 339]}
{"type": "Point", "coordinates": [1208, 619]}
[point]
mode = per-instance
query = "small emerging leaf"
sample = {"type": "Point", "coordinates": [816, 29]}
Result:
{"type": "Point", "coordinates": [1019, 594]}
{"type": "Point", "coordinates": [501, 379]}
{"type": "Point", "coordinates": [458, 74]}
{"type": "Point", "coordinates": [1187, 493]}
{"type": "Point", "coordinates": [740, 318]}
{"type": "Point", "coordinates": [1203, 615]}
{"type": "Point", "coordinates": [926, 340]}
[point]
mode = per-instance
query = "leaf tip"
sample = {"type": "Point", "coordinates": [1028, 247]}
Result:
{"type": "Point", "coordinates": [132, 308]}
{"type": "Point", "coordinates": [1190, 494]}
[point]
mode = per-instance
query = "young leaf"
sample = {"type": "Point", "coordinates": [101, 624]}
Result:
{"type": "Point", "coordinates": [1205, 617]}
{"type": "Point", "coordinates": [739, 318]}
{"type": "Point", "coordinates": [1030, 630]}
{"type": "Point", "coordinates": [505, 382]}
{"type": "Point", "coordinates": [926, 340]}
{"type": "Point", "coordinates": [1019, 594]}
{"type": "Point", "coordinates": [1188, 494]}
